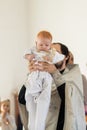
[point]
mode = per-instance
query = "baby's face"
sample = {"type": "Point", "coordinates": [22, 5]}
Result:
{"type": "Point", "coordinates": [43, 44]}
{"type": "Point", "coordinates": [5, 107]}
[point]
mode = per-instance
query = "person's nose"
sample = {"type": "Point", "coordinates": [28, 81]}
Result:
{"type": "Point", "coordinates": [44, 46]}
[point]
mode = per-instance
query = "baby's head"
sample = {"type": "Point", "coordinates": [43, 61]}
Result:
{"type": "Point", "coordinates": [43, 41]}
{"type": "Point", "coordinates": [5, 106]}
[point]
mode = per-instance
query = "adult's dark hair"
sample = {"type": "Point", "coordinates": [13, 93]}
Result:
{"type": "Point", "coordinates": [64, 50]}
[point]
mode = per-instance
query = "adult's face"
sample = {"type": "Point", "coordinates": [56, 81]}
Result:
{"type": "Point", "coordinates": [57, 47]}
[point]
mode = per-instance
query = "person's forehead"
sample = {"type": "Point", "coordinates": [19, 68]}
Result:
{"type": "Point", "coordinates": [43, 40]}
{"type": "Point", "coordinates": [5, 104]}
{"type": "Point", "coordinates": [57, 47]}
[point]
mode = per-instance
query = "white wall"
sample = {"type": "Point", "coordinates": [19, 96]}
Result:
{"type": "Point", "coordinates": [21, 20]}
{"type": "Point", "coordinates": [13, 41]}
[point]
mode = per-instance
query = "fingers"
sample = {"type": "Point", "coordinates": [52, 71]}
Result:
{"type": "Point", "coordinates": [33, 66]}
{"type": "Point", "coordinates": [42, 66]}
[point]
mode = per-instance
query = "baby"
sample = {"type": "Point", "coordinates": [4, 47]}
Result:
{"type": "Point", "coordinates": [38, 84]}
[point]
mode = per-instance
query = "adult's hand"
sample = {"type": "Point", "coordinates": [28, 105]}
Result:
{"type": "Point", "coordinates": [42, 66]}
{"type": "Point", "coordinates": [47, 67]}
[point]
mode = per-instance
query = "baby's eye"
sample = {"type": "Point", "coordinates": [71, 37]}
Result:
{"type": "Point", "coordinates": [41, 45]}
{"type": "Point", "coordinates": [47, 45]}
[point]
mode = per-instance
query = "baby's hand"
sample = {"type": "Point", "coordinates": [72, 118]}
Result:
{"type": "Point", "coordinates": [47, 58]}
{"type": "Point", "coordinates": [6, 121]}
{"type": "Point", "coordinates": [29, 57]}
